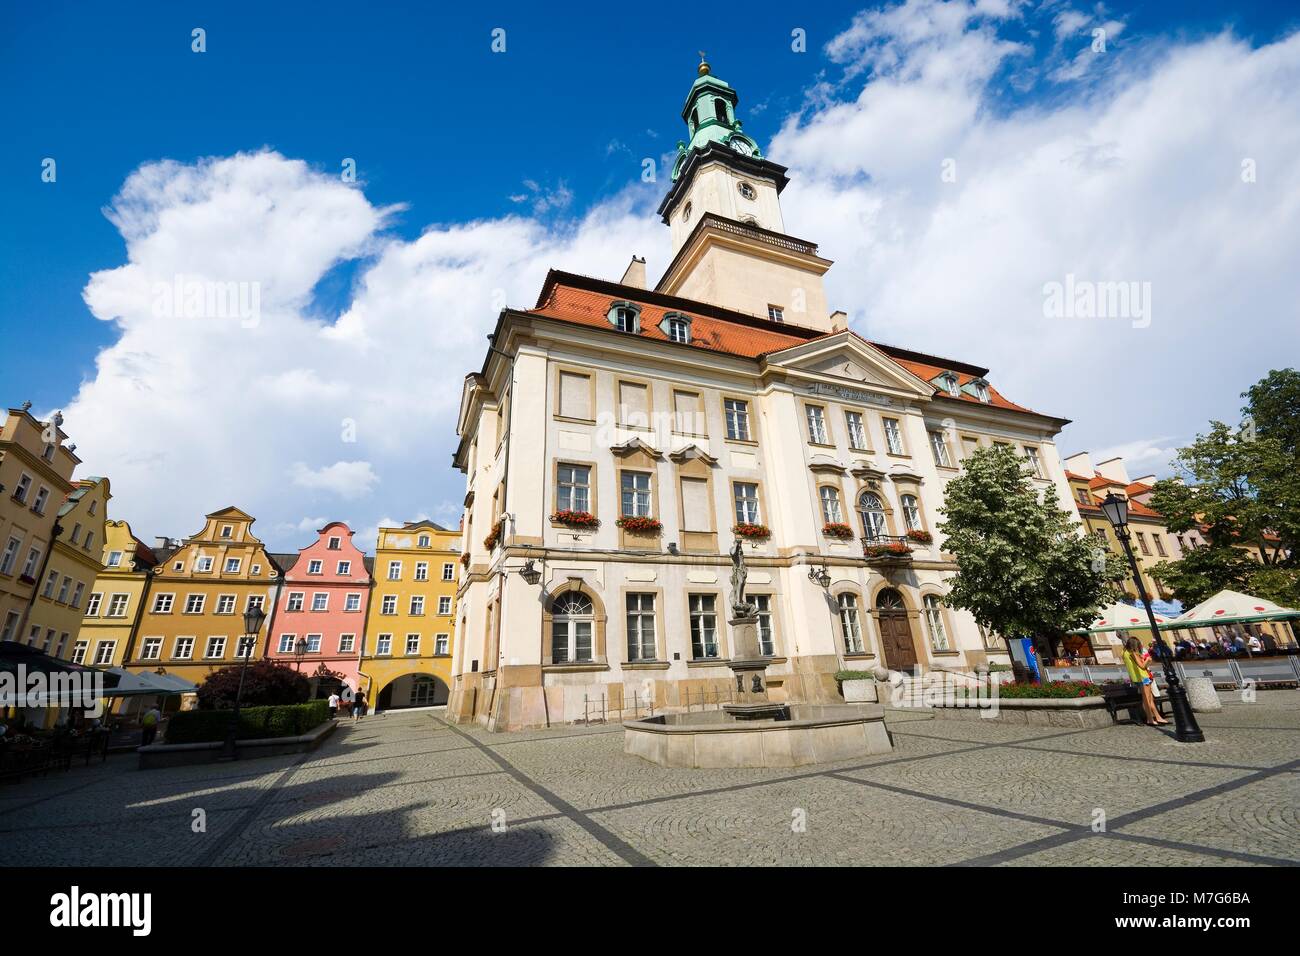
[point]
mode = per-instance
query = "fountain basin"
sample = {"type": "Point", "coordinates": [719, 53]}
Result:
{"type": "Point", "coordinates": [806, 734]}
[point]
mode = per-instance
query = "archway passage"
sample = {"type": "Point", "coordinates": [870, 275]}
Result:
{"type": "Point", "coordinates": [412, 690]}
{"type": "Point", "coordinates": [895, 631]}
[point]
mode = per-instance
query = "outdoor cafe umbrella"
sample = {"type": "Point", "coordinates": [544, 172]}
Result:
{"type": "Point", "coordinates": [1120, 617]}
{"type": "Point", "coordinates": [146, 684]}
{"type": "Point", "coordinates": [1232, 607]}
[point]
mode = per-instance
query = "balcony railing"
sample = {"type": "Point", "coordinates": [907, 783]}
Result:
{"type": "Point", "coordinates": [887, 549]}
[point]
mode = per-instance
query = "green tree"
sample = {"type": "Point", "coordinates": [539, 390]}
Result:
{"type": "Point", "coordinates": [1024, 567]}
{"type": "Point", "coordinates": [1241, 489]}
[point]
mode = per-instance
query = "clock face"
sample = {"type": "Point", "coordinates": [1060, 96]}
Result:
{"type": "Point", "coordinates": [742, 147]}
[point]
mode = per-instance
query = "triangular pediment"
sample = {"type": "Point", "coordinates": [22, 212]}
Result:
{"type": "Point", "coordinates": [845, 360]}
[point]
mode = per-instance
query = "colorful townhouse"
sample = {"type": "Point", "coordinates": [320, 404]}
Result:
{"type": "Point", "coordinates": [35, 477]}
{"type": "Point", "coordinates": [72, 569]}
{"type": "Point", "coordinates": [117, 598]}
{"type": "Point", "coordinates": [406, 656]}
{"type": "Point", "coordinates": [321, 613]}
{"type": "Point", "coordinates": [193, 620]}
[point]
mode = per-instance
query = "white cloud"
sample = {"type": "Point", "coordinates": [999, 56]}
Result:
{"type": "Point", "coordinates": [346, 479]}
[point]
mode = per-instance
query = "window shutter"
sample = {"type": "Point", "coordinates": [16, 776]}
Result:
{"type": "Point", "coordinates": [575, 395]}
{"type": "Point", "coordinates": [695, 505]}
{"type": "Point", "coordinates": [634, 404]}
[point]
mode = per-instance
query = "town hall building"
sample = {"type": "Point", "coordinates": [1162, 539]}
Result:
{"type": "Point", "coordinates": [619, 439]}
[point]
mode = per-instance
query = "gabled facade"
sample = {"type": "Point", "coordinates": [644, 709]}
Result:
{"type": "Point", "coordinates": [656, 428]}
{"type": "Point", "coordinates": [193, 621]}
{"type": "Point", "coordinates": [321, 612]}
{"type": "Point", "coordinates": [117, 598]}
{"type": "Point", "coordinates": [406, 657]}
{"type": "Point", "coordinates": [74, 565]}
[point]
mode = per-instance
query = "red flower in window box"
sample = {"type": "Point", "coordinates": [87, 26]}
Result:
{"type": "Point", "coordinates": [919, 536]}
{"type": "Point", "coordinates": [640, 525]}
{"type": "Point", "coordinates": [576, 519]}
{"type": "Point", "coordinates": [836, 529]}
{"type": "Point", "coordinates": [464, 560]}
{"type": "Point", "coordinates": [491, 540]}
{"type": "Point", "coordinates": [753, 531]}
{"type": "Point", "coordinates": [895, 549]}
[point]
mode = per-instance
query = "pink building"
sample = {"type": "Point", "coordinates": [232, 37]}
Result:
{"type": "Point", "coordinates": [320, 617]}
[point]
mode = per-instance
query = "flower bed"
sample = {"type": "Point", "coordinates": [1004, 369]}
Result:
{"type": "Point", "coordinates": [1048, 690]}
{"type": "Point", "coordinates": [576, 519]}
{"type": "Point", "coordinates": [834, 529]}
{"type": "Point", "coordinates": [638, 524]}
{"type": "Point", "coordinates": [755, 531]}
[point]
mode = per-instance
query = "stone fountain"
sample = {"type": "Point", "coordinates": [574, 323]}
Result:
{"type": "Point", "coordinates": [753, 730]}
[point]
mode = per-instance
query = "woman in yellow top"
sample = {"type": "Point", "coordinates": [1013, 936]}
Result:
{"type": "Point", "coordinates": [1140, 675]}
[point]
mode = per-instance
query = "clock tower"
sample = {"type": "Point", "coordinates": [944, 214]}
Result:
{"type": "Point", "coordinates": [724, 209]}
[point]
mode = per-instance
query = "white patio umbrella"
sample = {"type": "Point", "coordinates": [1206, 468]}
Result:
{"type": "Point", "coordinates": [1121, 617]}
{"type": "Point", "coordinates": [1232, 607]}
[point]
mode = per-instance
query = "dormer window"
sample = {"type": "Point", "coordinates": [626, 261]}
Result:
{"type": "Point", "coordinates": [948, 382]}
{"type": "Point", "coordinates": [981, 390]}
{"type": "Point", "coordinates": [226, 530]}
{"type": "Point", "coordinates": [677, 327]}
{"type": "Point", "coordinates": [335, 544]}
{"type": "Point", "coordinates": [625, 317]}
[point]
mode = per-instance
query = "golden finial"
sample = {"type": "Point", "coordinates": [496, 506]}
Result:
{"type": "Point", "coordinates": [704, 67]}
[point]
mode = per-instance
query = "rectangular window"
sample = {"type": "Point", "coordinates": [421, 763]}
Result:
{"type": "Point", "coordinates": [244, 647]}
{"type": "Point", "coordinates": [64, 587]}
{"type": "Point", "coordinates": [934, 623]}
{"type": "Point", "coordinates": [575, 396]}
{"type": "Point", "coordinates": [203, 564]}
{"type": "Point", "coordinates": [449, 571]}
{"type": "Point", "coordinates": [315, 566]}
{"type": "Point", "coordinates": [857, 431]}
{"type": "Point", "coordinates": [11, 626]}
{"type": "Point", "coordinates": [736, 412]}
{"type": "Point", "coordinates": [184, 648]}
{"type": "Point", "coordinates": [776, 313]}
{"type": "Point", "coordinates": [635, 494]}
{"type": "Point", "coordinates": [688, 413]}
{"type": "Point", "coordinates": [830, 498]}
{"type": "Point", "coordinates": [746, 498]}
{"type": "Point", "coordinates": [850, 626]}
{"type": "Point", "coordinates": [226, 604]}
{"type": "Point", "coordinates": [384, 645]}
{"type": "Point", "coordinates": [216, 648]}
{"type": "Point", "coordinates": [641, 627]}
{"type": "Point", "coordinates": [1142, 543]}
{"type": "Point", "coordinates": [444, 604]}
{"type": "Point", "coordinates": [104, 652]}
{"type": "Point", "coordinates": [816, 416]}
{"type": "Point", "coordinates": [76, 594]}
{"type": "Point", "coordinates": [151, 649]}
{"type": "Point", "coordinates": [573, 491]}
{"type": "Point", "coordinates": [92, 606]}
{"type": "Point", "coordinates": [117, 605]}
{"type": "Point", "coordinates": [940, 448]}
{"type": "Point", "coordinates": [766, 636]}
{"type": "Point", "coordinates": [286, 643]}
{"type": "Point", "coordinates": [969, 445]}
{"type": "Point", "coordinates": [114, 559]}
{"type": "Point", "coordinates": [10, 557]}
{"type": "Point", "coordinates": [704, 626]}
{"type": "Point", "coordinates": [1035, 463]}
{"type": "Point", "coordinates": [24, 486]}
{"type": "Point", "coordinates": [79, 652]}
{"type": "Point", "coordinates": [417, 604]}
{"type": "Point", "coordinates": [233, 565]}
{"type": "Point", "coordinates": [194, 603]}
{"type": "Point", "coordinates": [33, 558]}
{"type": "Point", "coordinates": [893, 437]}
{"type": "Point", "coordinates": [42, 497]}
{"type": "Point", "coordinates": [412, 643]}
{"type": "Point", "coordinates": [347, 642]}
{"type": "Point", "coordinates": [1159, 542]}
{"type": "Point", "coordinates": [634, 405]}
{"type": "Point", "coordinates": [421, 570]}
{"type": "Point", "coordinates": [441, 644]}
{"type": "Point", "coordinates": [162, 603]}
{"type": "Point", "coordinates": [50, 581]}
{"type": "Point", "coordinates": [313, 643]}
{"type": "Point", "coordinates": [696, 513]}
{"type": "Point", "coordinates": [320, 601]}
{"type": "Point", "coordinates": [352, 602]}
{"type": "Point", "coordinates": [394, 570]}
{"type": "Point", "coordinates": [295, 602]}
{"type": "Point", "coordinates": [344, 568]}
{"type": "Point", "coordinates": [388, 604]}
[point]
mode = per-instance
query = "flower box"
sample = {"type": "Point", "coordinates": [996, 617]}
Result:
{"type": "Point", "coordinates": [919, 536]}
{"type": "Point", "coordinates": [753, 531]}
{"type": "Point", "coordinates": [640, 525]}
{"type": "Point", "coordinates": [26, 579]}
{"type": "Point", "coordinates": [895, 549]}
{"type": "Point", "coordinates": [491, 540]}
{"type": "Point", "coordinates": [834, 529]}
{"type": "Point", "coordinates": [464, 560]}
{"type": "Point", "coordinates": [576, 519]}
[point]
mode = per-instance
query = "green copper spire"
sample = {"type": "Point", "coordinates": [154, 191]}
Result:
{"type": "Point", "coordinates": [710, 117]}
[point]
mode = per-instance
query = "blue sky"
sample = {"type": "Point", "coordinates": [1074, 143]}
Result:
{"type": "Point", "coordinates": [553, 131]}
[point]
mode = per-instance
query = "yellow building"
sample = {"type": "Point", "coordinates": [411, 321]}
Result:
{"type": "Point", "coordinates": [71, 571]}
{"type": "Point", "coordinates": [406, 655]}
{"type": "Point", "coordinates": [35, 479]}
{"type": "Point", "coordinates": [117, 598]}
{"type": "Point", "coordinates": [193, 620]}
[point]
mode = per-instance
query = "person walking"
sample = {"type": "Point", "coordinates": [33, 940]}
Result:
{"type": "Point", "coordinates": [359, 705]}
{"type": "Point", "coordinates": [149, 725]}
{"type": "Point", "coordinates": [1141, 676]}
{"type": "Point", "coordinates": [334, 704]}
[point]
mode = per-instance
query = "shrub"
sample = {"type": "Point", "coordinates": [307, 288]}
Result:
{"type": "Point", "coordinates": [1017, 690]}
{"type": "Point", "coordinates": [266, 683]}
{"type": "Point", "coordinates": [854, 675]}
{"type": "Point", "coordinates": [288, 720]}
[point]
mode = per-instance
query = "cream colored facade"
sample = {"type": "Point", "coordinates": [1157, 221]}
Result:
{"type": "Point", "coordinates": [117, 599]}
{"type": "Point", "coordinates": [835, 426]}
{"type": "Point", "coordinates": [70, 575]}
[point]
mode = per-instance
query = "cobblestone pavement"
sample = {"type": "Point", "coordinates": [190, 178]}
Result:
{"type": "Point", "coordinates": [411, 789]}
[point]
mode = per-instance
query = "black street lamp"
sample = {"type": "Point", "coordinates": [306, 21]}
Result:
{"type": "Point", "coordinates": [299, 652]}
{"type": "Point", "coordinates": [253, 619]}
{"type": "Point", "coordinates": [1186, 730]}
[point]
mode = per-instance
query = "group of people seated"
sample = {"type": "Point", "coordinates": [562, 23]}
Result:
{"type": "Point", "coordinates": [1230, 642]}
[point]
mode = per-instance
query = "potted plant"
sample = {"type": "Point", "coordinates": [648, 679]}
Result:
{"type": "Point", "coordinates": [858, 687]}
{"type": "Point", "coordinates": [639, 524]}
{"type": "Point", "coordinates": [757, 532]}
{"type": "Point", "coordinates": [576, 519]}
{"type": "Point", "coordinates": [464, 560]}
{"type": "Point", "coordinates": [895, 549]}
{"type": "Point", "coordinates": [491, 540]}
{"type": "Point", "coordinates": [837, 529]}
{"type": "Point", "coordinates": [920, 536]}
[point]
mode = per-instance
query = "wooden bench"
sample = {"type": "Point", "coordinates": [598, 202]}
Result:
{"type": "Point", "coordinates": [1129, 697]}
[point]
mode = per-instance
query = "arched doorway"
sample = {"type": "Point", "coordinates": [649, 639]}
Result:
{"type": "Point", "coordinates": [895, 631]}
{"type": "Point", "coordinates": [412, 690]}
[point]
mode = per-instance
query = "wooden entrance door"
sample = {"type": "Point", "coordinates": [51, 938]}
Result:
{"type": "Point", "coordinates": [895, 631]}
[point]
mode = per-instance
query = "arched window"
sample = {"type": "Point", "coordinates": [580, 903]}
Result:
{"type": "Point", "coordinates": [911, 512]}
{"type": "Point", "coordinates": [720, 110]}
{"type": "Point", "coordinates": [872, 512]}
{"type": "Point", "coordinates": [850, 625]}
{"type": "Point", "coordinates": [572, 621]}
{"type": "Point", "coordinates": [934, 623]}
{"type": "Point", "coordinates": [890, 600]}
{"type": "Point", "coordinates": [830, 496]}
